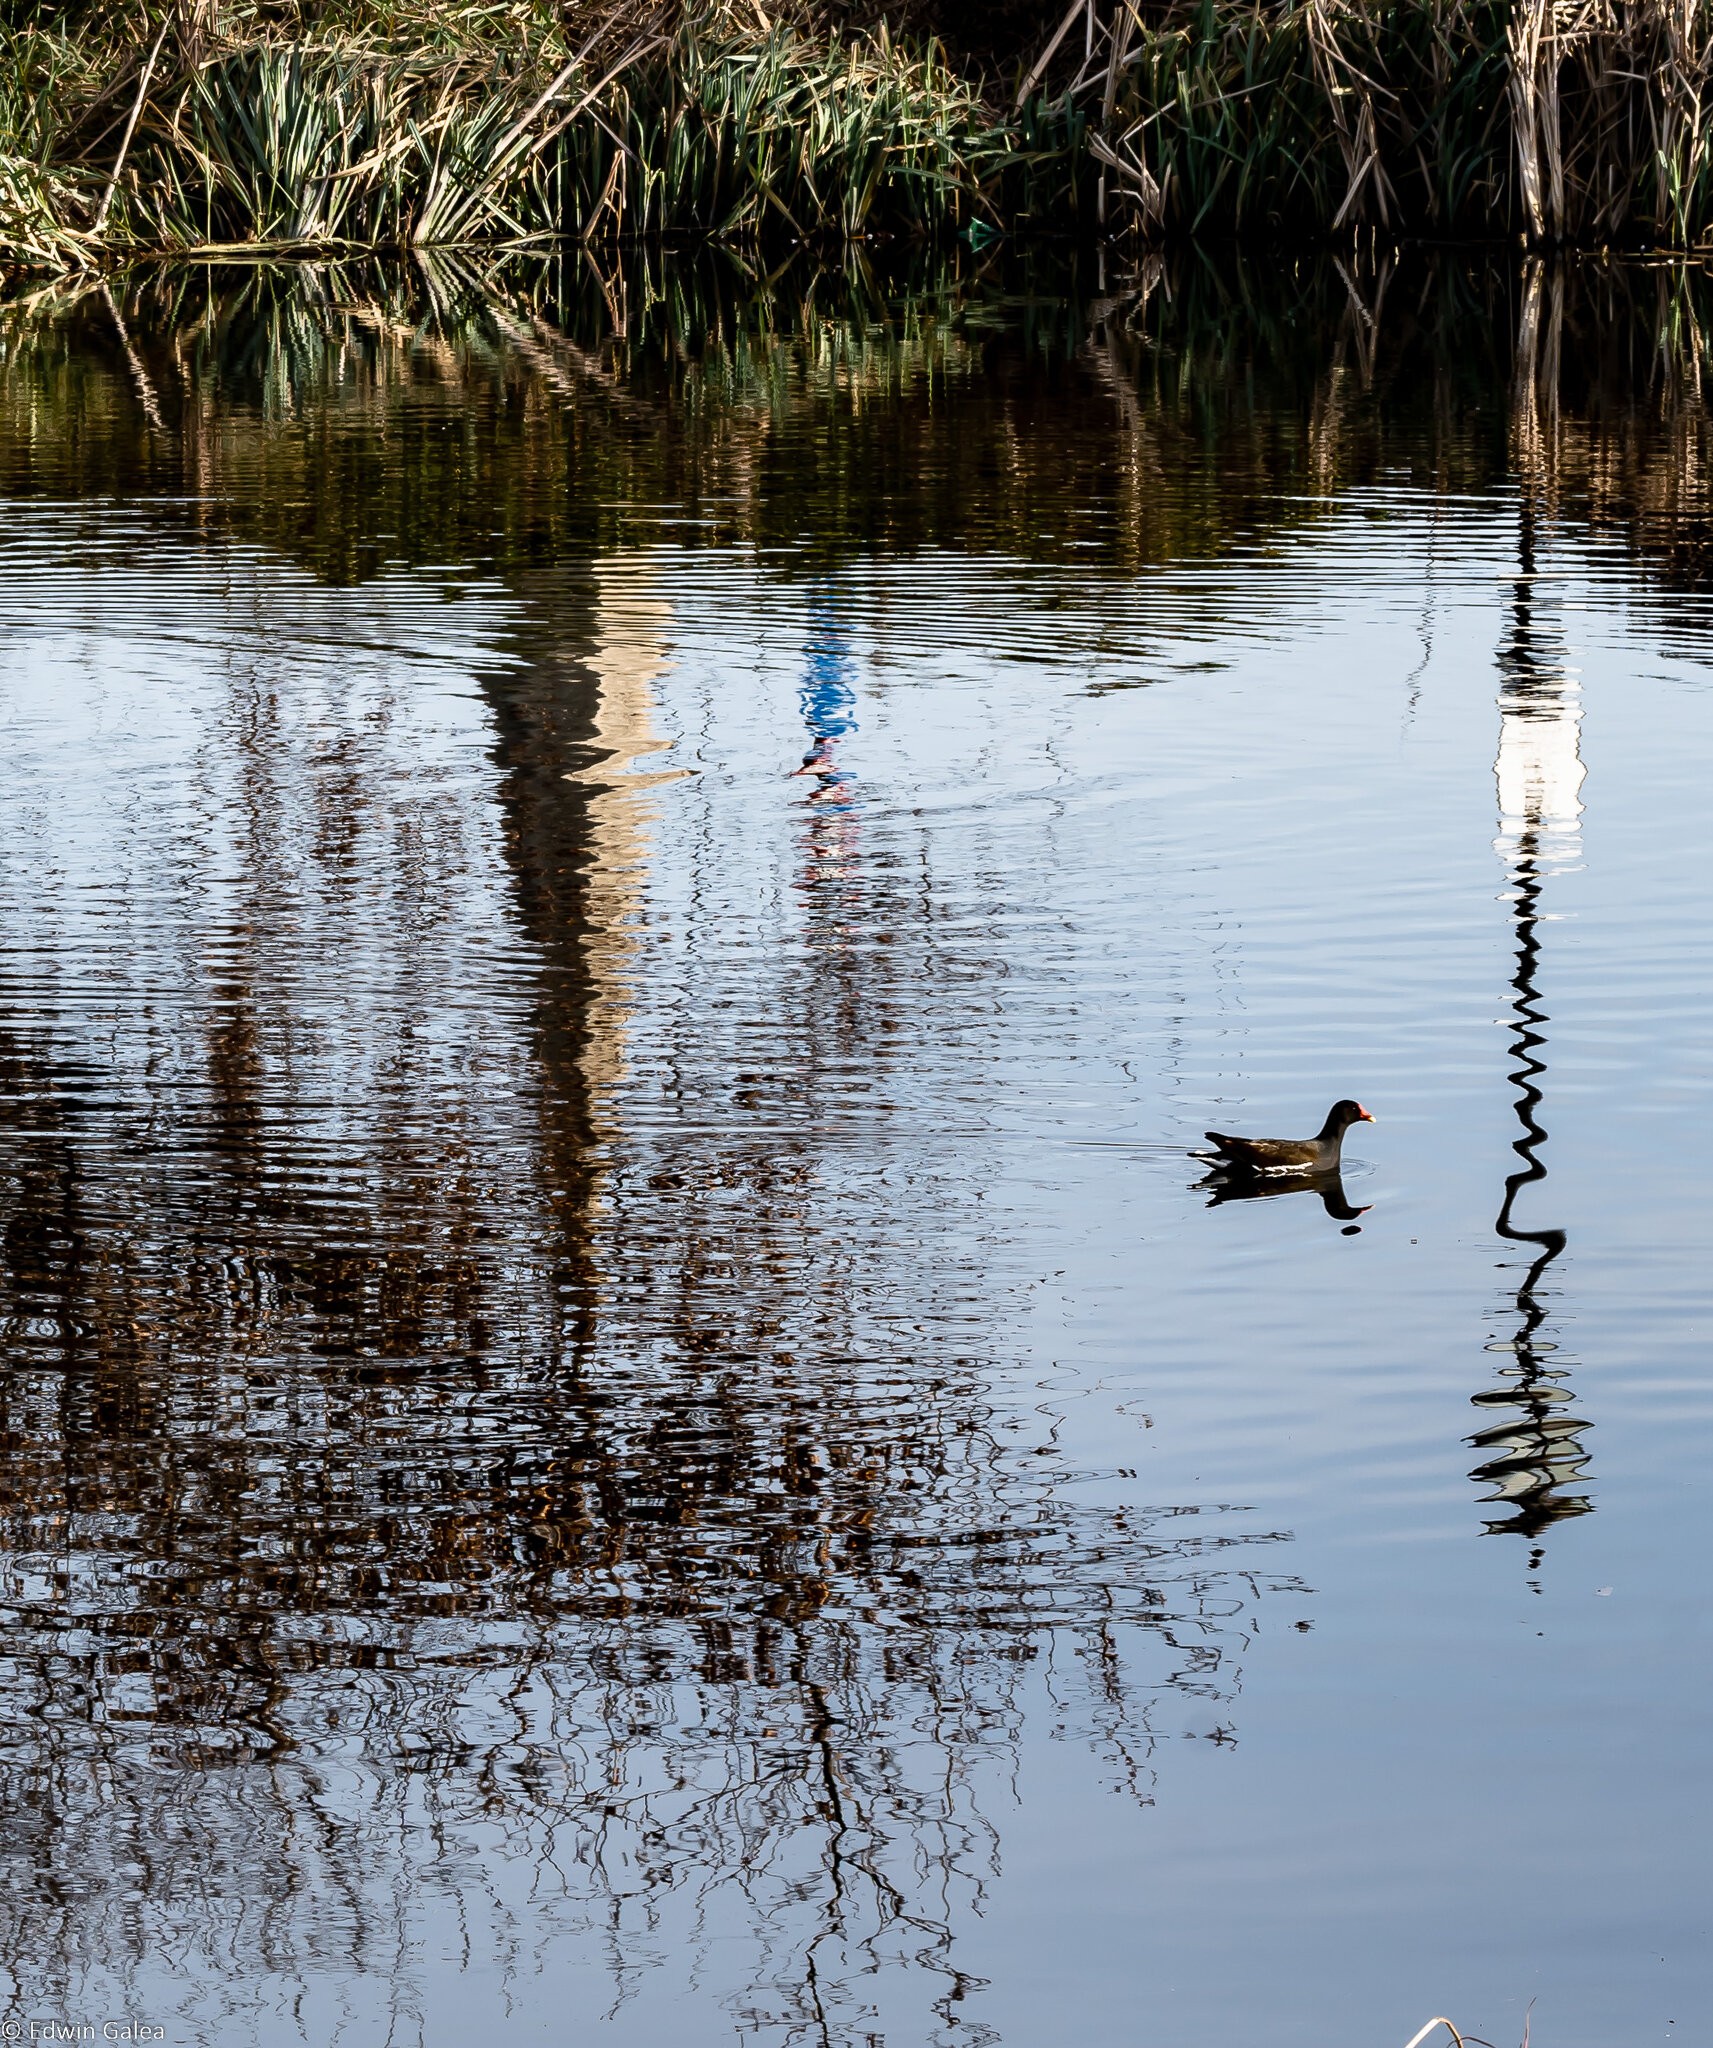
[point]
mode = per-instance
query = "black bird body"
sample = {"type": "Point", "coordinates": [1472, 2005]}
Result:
{"type": "Point", "coordinates": [1315, 1155]}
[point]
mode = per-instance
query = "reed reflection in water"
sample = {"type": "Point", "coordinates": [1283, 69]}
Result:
{"type": "Point", "coordinates": [1533, 1455]}
{"type": "Point", "coordinates": [433, 1497]}
{"type": "Point", "coordinates": [537, 1465]}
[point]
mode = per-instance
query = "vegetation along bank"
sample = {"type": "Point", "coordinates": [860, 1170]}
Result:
{"type": "Point", "coordinates": [127, 129]}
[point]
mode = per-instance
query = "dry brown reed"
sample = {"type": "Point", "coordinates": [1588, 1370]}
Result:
{"type": "Point", "coordinates": [1560, 120]}
{"type": "Point", "coordinates": [1433, 2026]}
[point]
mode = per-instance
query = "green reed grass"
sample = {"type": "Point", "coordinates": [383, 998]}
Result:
{"type": "Point", "coordinates": [730, 138]}
{"type": "Point", "coordinates": [44, 190]}
{"type": "Point", "coordinates": [395, 123]}
{"type": "Point", "coordinates": [698, 133]}
{"type": "Point", "coordinates": [299, 145]}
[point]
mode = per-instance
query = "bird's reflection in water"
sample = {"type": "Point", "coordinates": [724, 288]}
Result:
{"type": "Point", "coordinates": [1233, 1186]}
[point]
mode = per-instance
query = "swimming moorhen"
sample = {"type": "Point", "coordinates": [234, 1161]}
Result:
{"type": "Point", "coordinates": [1289, 1155]}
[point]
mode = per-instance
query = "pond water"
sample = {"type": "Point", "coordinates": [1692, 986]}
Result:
{"type": "Point", "coordinates": [621, 898]}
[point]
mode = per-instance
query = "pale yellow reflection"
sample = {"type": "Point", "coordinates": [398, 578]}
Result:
{"type": "Point", "coordinates": [629, 657]}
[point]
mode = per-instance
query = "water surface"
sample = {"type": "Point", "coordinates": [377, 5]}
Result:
{"type": "Point", "coordinates": [620, 900]}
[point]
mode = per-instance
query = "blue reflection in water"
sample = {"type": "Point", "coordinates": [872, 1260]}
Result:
{"type": "Point", "coordinates": [827, 699]}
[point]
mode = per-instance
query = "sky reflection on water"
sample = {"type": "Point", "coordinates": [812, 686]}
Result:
{"type": "Point", "coordinates": [622, 1406]}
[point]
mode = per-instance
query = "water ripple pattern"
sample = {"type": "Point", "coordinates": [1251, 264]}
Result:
{"type": "Point", "coordinates": [623, 1408]}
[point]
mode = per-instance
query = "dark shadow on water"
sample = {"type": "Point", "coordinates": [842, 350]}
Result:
{"type": "Point", "coordinates": [356, 415]}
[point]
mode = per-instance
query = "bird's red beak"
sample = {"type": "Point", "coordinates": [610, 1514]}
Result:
{"type": "Point", "coordinates": [1362, 1115]}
